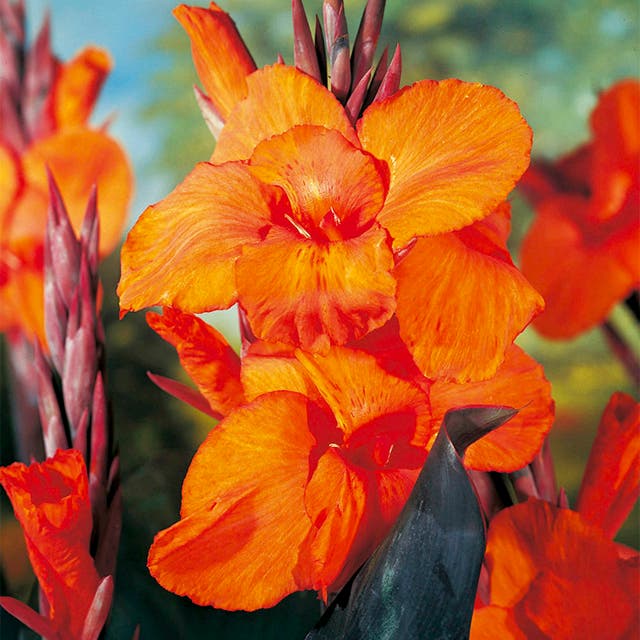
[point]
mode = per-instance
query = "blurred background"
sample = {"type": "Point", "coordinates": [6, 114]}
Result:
{"type": "Point", "coordinates": [552, 58]}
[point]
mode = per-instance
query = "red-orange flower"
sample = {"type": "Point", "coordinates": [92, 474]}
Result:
{"type": "Point", "coordinates": [303, 219]}
{"type": "Point", "coordinates": [51, 502]}
{"type": "Point", "coordinates": [314, 460]}
{"type": "Point", "coordinates": [581, 252]}
{"type": "Point", "coordinates": [553, 575]}
{"type": "Point", "coordinates": [53, 133]}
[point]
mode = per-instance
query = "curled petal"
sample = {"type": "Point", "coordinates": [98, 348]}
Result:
{"type": "Point", "coordinates": [77, 87]}
{"type": "Point", "coordinates": [463, 153]}
{"type": "Point", "coordinates": [303, 162]}
{"type": "Point", "coordinates": [205, 355]}
{"type": "Point", "coordinates": [611, 482]}
{"type": "Point", "coordinates": [78, 159]}
{"type": "Point", "coordinates": [581, 271]}
{"type": "Point", "coordinates": [478, 303]}
{"type": "Point", "coordinates": [314, 294]}
{"type": "Point", "coordinates": [519, 382]}
{"type": "Point", "coordinates": [221, 58]}
{"type": "Point", "coordinates": [279, 98]}
{"type": "Point", "coordinates": [181, 253]}
{"type": "Point", "coordinates": [243, 493]}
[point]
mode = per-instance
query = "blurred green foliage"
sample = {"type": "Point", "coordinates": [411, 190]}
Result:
{"type": "Point", "coordinates": [552, 58]}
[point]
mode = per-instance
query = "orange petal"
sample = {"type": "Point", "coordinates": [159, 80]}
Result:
{"type": "Point", "coordinates": [220, 56]}
{"type": "Point", "coordinates": [205, 355]}
{"type": "Point", "coordinates": [362, 395]}
{"type": "Point", "coordinates": [615, 123]}
{"type": "Point", "coordinates": [322, 174]}
{"type": "Point", "coordinates": [51, 502]}
{"type": "Point", "coordinates": [519, 382]}
{"type": "Point", "coordinates": [10, 184]}
{"type": "Point", "coordinates": [182, 251]}
{"type": "Point", "coordinates": [489, 623]}
{"type": "Point", "coordinates": [314, 294]}
{"type": "Point", "coordinates": [581, 271]}
{"type": "Point", "coordinates": [77, 87]}
{"type": "Point", "coordinates": [471, 148]}
{"type": "Point", "coordinates": [78, 159]}
{"type": "Point", "coordinates": [279, 98]}
{"type": "Point", "coordinates": [243, 495]}
{"type": "Point", "coordinates": [335, 499]}
{"type": "Point", "coordinates": [611, 483]}
{"type": "Point", "coordinates": [461, 303]}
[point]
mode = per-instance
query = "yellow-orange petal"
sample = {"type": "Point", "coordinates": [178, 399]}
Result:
{"type": "Point", "coordinates": [581, 271]}
{"type": "Point", "coordinates": [243, 514]}
{"type": "Point", "coordinates": [10, 184]}
{"type": "Point", "coordinates": [461, 303]}
{"type": "Point", "coordinates": [314, 294]}
{"type": "Point", "coordinates": [279, 97]}
{"type": "Point", "coordinates": [77, 87]}
{"type": "Point", "coordinates": [335, 499]}
{"type": "Point", "coordinates": [221, 58]}
{"type": "Point", "coordinates": [462, 152]}
{"type": "Point", "coordinates": [334, 188]}
{"type": "Point", "coordinates": [182, 251]}
{"type": "Point", "coordinates": [78, 159]}
{"type": "Point", "coordinates": [611, 482]}
{"type": "Point", "coordinates": [519, 382]}
{"type": "Point", "coordinates": [205, 355]}
{"type": "Point", "coordinates": [364, 397]}
{"type": "Point", "coordinates": [492, 622]}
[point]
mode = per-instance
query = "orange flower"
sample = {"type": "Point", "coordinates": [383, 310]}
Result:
{"type": "Point", "coordinates": [611, 482]}
{"type": "Point", "coordinates": [553, 575]}
{"type": "Point", "coordinates": [315, 458]}
{"type": "Point", "coordinates": [51, 502]}
{"type": "Point", "coordinates": [581, 252]}
{"type": "Point", "coordinates": [54, 134]}
{"type": "Point", "coordinates": [303, 219]}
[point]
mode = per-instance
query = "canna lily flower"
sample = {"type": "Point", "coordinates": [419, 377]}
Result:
{"type": "Point", "coordinates": [322, 230]}
{"type": "Point", "coordinates": [48, 128]}
{"type": "Point", "coordinates": [51, 502]}
{"type": "Point", "coordinates": [554, 575]}
{"type": "Point", "coordinates": [339, 444]}
{"type": "Point", "coordinates": [581, 252]}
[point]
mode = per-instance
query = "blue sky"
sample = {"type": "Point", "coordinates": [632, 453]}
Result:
{"type": "Point", "coordinates": [124, 28]}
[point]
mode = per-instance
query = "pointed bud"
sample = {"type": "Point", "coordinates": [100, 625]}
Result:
{"type": "Point", "coordinates": [366, 42]}
{"type": "Point", "coordinates": [34, 621]}
{"type": "Point", "coordinates": [356, 99]}
{"type": "Point", "coordinates": [99, 610]}
{"type": "Point", "coordinates": [378, 75]}
{"type": "Point", "coordinates": [544, 473]}
{"type": "Point", "coordinates": [304, 50]}
{"type": "Point", "coordinates": [210, 114]}
{"type": "Point", "coordinates": [391, 80]}
{"type": "Point", "coordinates": [524, 484]}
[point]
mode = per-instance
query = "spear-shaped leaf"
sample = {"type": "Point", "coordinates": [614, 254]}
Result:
{"type": "Point", "coordinates": [421, 581]}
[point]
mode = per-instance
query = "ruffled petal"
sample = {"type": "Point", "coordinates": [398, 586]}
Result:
{"type": "Point", "coordinates": [611, 482]}
{"type": "Point", "coordinates": [334, 188]}
{"type": "Point", "coordinates": [78, 159]}
{"type": "Point", "coordinates": [221, 58]}
{"type": "Point", "coordinates": [489, 623]}
{"type": "Point", "coordinates": [461, 303]}
{"type": "Point", "coordinates": [205, 355]}
{"type": "Point", "coordinates": [580, 271]}
{"type": "Point", "coordinates": [182, 250]}
{"type": "Point", "coordinates": [335, 500]}
{"type": "Point", "coordinates": [77, 87]}
{"type": "Point", "coordinates": [51, 502]}
{"type": "Point", "coordinates": [243, 494]}
{"type": "Point", "coordinates": [519, 382]}
{"type": "Point", "coordinates": [279, 98]}
{"type": "Point", "coordinates": [312, 294]}
{"type": "Point", "coordinates": [464, 150]}
{"type": "Point", "coordinates": [370, 405]}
